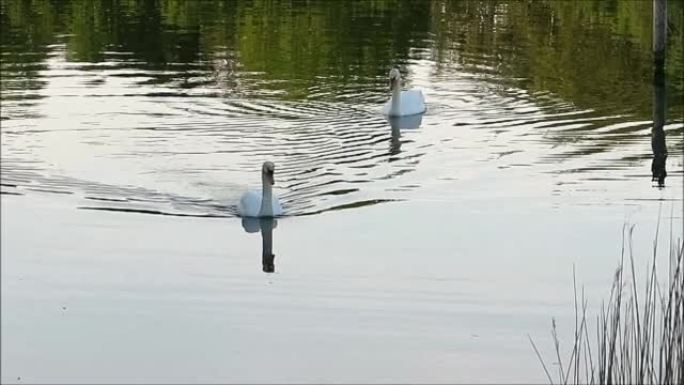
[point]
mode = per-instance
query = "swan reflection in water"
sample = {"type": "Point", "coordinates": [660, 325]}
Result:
{"type": "Point", "coordinates": [398, 123]}
{"type": "Point", "coordinates": [266, 226]}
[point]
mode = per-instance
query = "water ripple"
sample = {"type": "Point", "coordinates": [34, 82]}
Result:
{"type": "Point", "coordinates": [188, 138]}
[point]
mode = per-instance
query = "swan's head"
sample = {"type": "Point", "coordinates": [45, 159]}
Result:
{"type": "Point", "coordinates": [394, 78]}
{"type": "Point", "coordinates": [267, 171]}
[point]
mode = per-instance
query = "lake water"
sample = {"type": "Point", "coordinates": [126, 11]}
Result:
{"type": "Point", "coordinates": [412, 250]}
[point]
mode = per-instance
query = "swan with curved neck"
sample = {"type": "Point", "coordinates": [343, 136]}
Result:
{"type": "Point", "coordinates": [402, 103]}
{"type": "Point", "coordinates": [261, 203]}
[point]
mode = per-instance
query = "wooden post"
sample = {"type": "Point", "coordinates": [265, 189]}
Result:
{"type": "Point", "coordinates": [658, 144]}
{"type": "Point", "coordinates": [659, 31]}
{"type": "Point", "coordinates": [658, 133]}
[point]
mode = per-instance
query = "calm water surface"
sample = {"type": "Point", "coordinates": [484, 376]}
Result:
{"type": "Point", "coordinates": [171, 107]}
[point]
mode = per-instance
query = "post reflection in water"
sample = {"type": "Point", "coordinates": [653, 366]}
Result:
{"type": "Point", "coordinates": [658, 134]}
{"type": "Point", "coordinates": [398, 123]}
{"type": "Point", "coordinates": [266, 226]}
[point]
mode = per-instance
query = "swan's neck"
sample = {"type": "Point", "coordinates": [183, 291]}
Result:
{"type": "Point", "coordinates": [266, 209]}
{"type": "Point", "coordinates": [395, 108]}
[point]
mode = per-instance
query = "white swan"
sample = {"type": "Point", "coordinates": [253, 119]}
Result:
{"type": "Point", "coordinates": [261, 203]}
{"type": "Point", "coordinates": [402, 103]}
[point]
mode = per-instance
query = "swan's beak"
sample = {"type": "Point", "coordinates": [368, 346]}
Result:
{"type": "Point", "coordinates": [271, 179]}
{"type": "Point", "coordinates": [391, 84]}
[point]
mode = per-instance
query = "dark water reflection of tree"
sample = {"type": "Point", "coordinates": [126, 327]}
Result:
{"type": "Point", "coordinates": [594, 54]}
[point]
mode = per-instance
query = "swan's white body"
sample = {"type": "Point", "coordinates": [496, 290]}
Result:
{"type": "Point", "coordinates": [261, 203]}
{"type": "Point", "coordinates": [403, 103]}
{"type": "Point", "coordinates": [251, 204]}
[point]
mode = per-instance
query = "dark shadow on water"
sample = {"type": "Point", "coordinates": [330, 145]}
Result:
{"type": "Point", "coordinates": [658, 133]}
{"type": "Point", "coordinates": [266, 226]}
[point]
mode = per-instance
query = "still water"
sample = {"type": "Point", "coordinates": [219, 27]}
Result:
{"type": "Point", "coordinates": [537, 144]}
